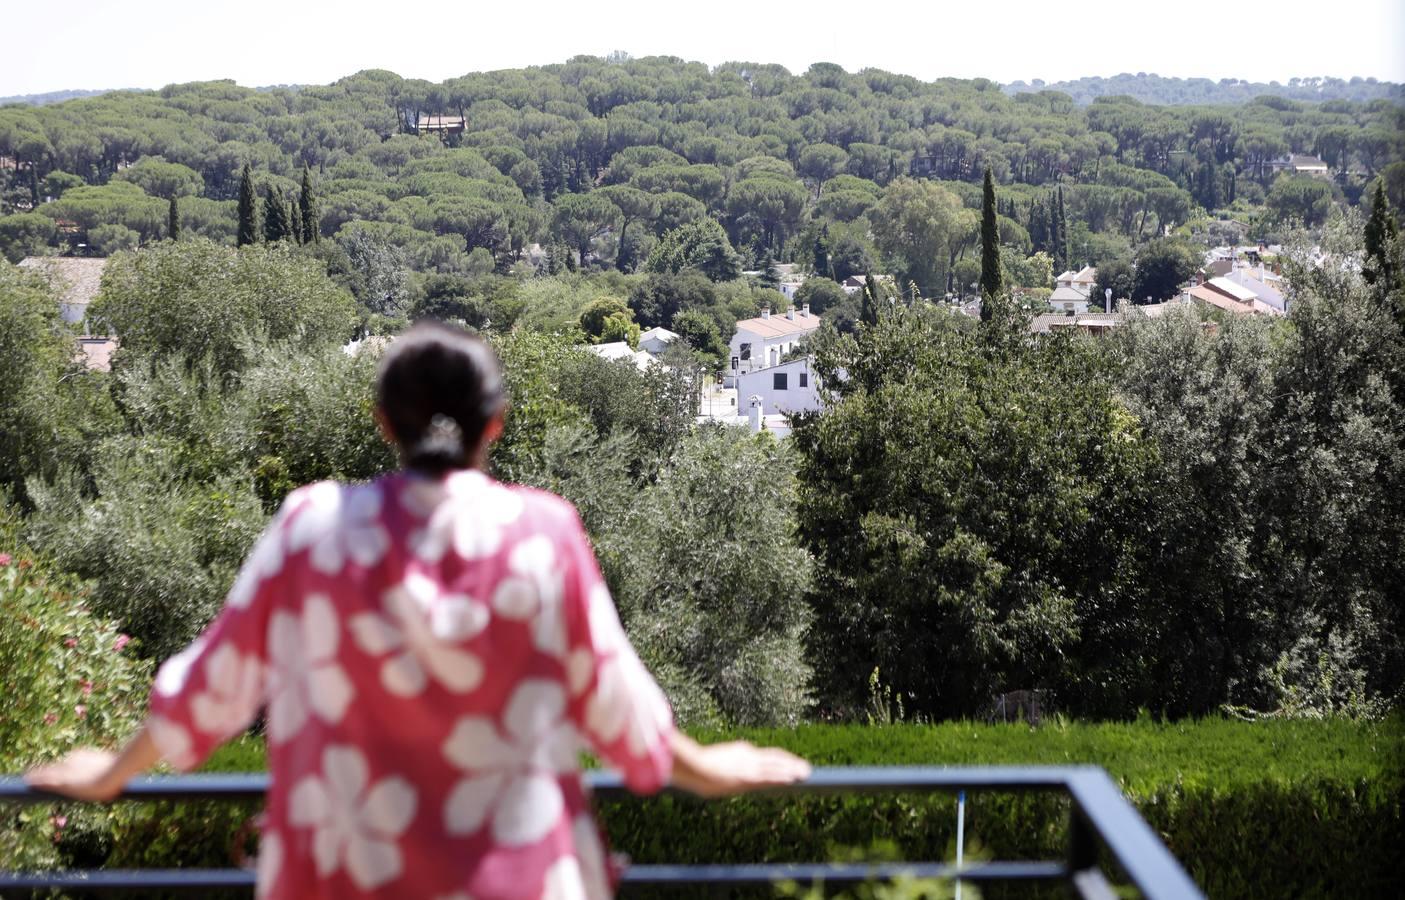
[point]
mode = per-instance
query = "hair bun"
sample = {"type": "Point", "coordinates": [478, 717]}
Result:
{"type": "Point", "coordinates": [441, 444]}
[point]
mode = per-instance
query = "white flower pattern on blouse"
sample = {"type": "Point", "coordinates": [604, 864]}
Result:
{"type": "Point", "coordinates": [533, 593]}
{"type": "Point", "coordinates": [514, 780]}
{"type": "Point", "coordinates": [339, 524]}
{"type": "Point", "coordinates": [468, 512]}
{"type": "Point", "coordinates": [355, 825]}
{"type": "Point", "coordinates": [420, 629]}
{"type": "Point", "coordinates": [234, 687]}
{"type": "Point", "coordinates": [304, 675]}
{"type": "Point", "coordinates": [432, 653]}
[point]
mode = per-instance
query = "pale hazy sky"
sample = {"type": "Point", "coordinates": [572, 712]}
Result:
{"type": "Point", "coordinates": [149, 43]}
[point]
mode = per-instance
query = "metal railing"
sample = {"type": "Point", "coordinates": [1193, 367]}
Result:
{"type": "Point", "coordinates": [1100, 818]}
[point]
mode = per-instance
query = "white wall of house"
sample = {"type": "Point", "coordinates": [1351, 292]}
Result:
{"type": "Point", "coordinates": [788, 388]}
{"type": "Point", "coordinates": [750, 350]}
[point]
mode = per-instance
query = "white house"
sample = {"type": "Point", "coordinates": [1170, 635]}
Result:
{"type": "Point", "coordinates": [764, 341]}
{"type": "Point", "coordinates": [1069, 299]}
{"type": "Point", "coordinates": [655, 340]}
{"type": "Point", "coordinates": [1081, 281]}
{"type": "Point", "coordinates": [787, 388]}
{"type": "Point", "coordinates": [620, 350]}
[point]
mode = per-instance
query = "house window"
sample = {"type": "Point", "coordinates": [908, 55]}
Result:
{"type": "Point", "coordinates": [734, 363]}
{"type": "Point", "coordinates": [746, 351]}
{"type": "Point", "coordinates": [804, 379]}
{"type": "Point", "coordinates": [778, 381]}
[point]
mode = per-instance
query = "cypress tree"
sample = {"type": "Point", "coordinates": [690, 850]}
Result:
{"type": "Point", "coordinates": [1382, 263]}
{"type": "Point", "coordinates": [276, 224]}
{"type": "Point", "coordinates": [992, 281]}
{"type": "Point", "coordinates": [822, 266]}
{"type": "Point", "coordinates": [869, 314]}
{"type": "Point", "coordinates": [1061, 231]}
{"type": "Point", "coordinates": [173, 220]}
{"type": "Point", "coordinates": [248, 210]}
{"type": "Point", "coordinates": [307, 204]}
{"type": "Point", "coordinates": [295, 218]}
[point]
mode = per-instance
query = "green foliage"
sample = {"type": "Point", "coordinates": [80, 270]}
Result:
{"type": "Point", "coordinates": [704, 616]}
{"type": "Point", "coordinates": [1300, 197]}
{"type": "Point", "coordinates": [160, 550]}
{"type": "Point", "coordinates": [992, 278]}
{"type": "Point", "coordinates": [598, 312]}
{"type": "Point", "coordinates": [700, 245]}
{"type": "Point", "coordinates": [955, 498]}
{"type": "Point", "coordinates": [197, 299]}
{"type": "Point", "coordinates": [821, 293]}
{"type": "Point", "coordinates": [248, 232]}
{"type": "Point", "coordinates": [25, 234]}
{"type": "Point", "coordinates": [1163, 265]}
{"type": "Point", "coordinates": [52, 409]}
{"type": "Point", "coordinates": [69, 680]}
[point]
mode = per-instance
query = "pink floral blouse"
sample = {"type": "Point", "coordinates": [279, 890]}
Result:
{"type": "Point", "coordinates": [432, 656]}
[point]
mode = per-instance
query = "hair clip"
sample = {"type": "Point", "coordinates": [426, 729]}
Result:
{"type": "Point", "coordinates": [444, 429]}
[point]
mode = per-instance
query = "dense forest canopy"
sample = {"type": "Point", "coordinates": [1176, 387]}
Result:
{"type": "Point", "coordinates": [1153, 88]}
{"type": "Point", "coordinates": [600, 158]}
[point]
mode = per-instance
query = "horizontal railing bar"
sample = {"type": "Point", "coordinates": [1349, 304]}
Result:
{"type": "Point", "coordinates": [607, 785]}
{"type": "Point", "coordinates": [193, 880]}
{"type": "Point", "coordinates": [840, 873]}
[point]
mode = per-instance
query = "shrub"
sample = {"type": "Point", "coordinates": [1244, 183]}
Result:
{"type": "Point", "coordinates": [69, 680]}
{"type": "Point", "coordinates": [161, 551]}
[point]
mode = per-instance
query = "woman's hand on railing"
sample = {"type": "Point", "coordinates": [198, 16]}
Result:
{"type": "Point", "coordinates": [735, 767]}
{"type": "Point", "coordinates": [96, 775]}
{"type": "Point", "coordinates": [84, 774]}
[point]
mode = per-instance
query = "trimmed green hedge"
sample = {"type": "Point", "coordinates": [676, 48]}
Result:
{"type": "Point", "coordinates": [1267, 809]}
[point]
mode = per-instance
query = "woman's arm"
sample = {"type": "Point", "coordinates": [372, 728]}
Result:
{"type": "Point", "coordinates": [97, 775]}
{"type": "Point", "coordinates": [718, 770]}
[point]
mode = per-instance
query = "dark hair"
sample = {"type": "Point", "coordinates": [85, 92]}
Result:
{"type": "Point", "coordinates": [438, 388]}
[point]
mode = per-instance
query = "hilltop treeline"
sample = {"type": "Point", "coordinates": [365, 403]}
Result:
{"type": "Point", "coordinates": [1153, 88]}
{"type": "Point", "coordinates": [598, 159]}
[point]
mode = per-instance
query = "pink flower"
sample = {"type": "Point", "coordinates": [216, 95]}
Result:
{"type": "Point", "coordinates": [81, 710]}
{"type": "Point", "coordinates": [59, 821]}
{"type": "Point", "coordinates": [70, 642]}
{"type": "Point", "coordinates": [87, 688]}
{"type": "Point", "coordinates": [50, 718]}
{"type": "Point", "coordinates": [122, 641]}
{"type": "Point", "coordinates": [5, 559]}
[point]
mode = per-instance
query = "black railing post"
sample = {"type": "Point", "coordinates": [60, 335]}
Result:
{"type": "Point", "coordinates": [1083, 871]}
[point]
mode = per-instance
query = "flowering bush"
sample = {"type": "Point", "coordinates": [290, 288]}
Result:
{"type": "Point", "coordinates": [68, 679]}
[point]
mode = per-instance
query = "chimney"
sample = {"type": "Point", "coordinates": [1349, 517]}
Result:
{"type": "Point", "coordinates": [805, 310]}
{"type": "Point", "coordinates": [754, 414]}
{"type": "Point", "coordinates": [790, 314]}
{"type": "Point", "coordinates": [765, 312]}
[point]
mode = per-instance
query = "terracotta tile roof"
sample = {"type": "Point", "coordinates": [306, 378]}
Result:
{"type": "Point", "coordinates": [779, 326]}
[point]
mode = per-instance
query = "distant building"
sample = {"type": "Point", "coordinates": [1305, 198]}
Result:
{"type": "Point", "coordinates": [1301, 164]}
{"type": "Point", "coordinates": [443, 126]}
{"type": "Point", "coordinates": [77, 278]}
{"type": "Point", "coordinates": [619, 350]}
{"type": "Point", "coordinates": [1069, 299]}
{"type": "Point", "coordinates": [764, 341]}
{"type": "Point", "coordinates": [1232, 297]}
{"type": "Point", "coordinates": [1081, 281]}
{"type": "Point", "coordinates": [786, 388]}
{"type": "Point", "coordinates": [95, 353]}
{"type": "Point", "coordinates": [1095, 324]}
{"type": "Point", "coordinates": [655, 340]}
